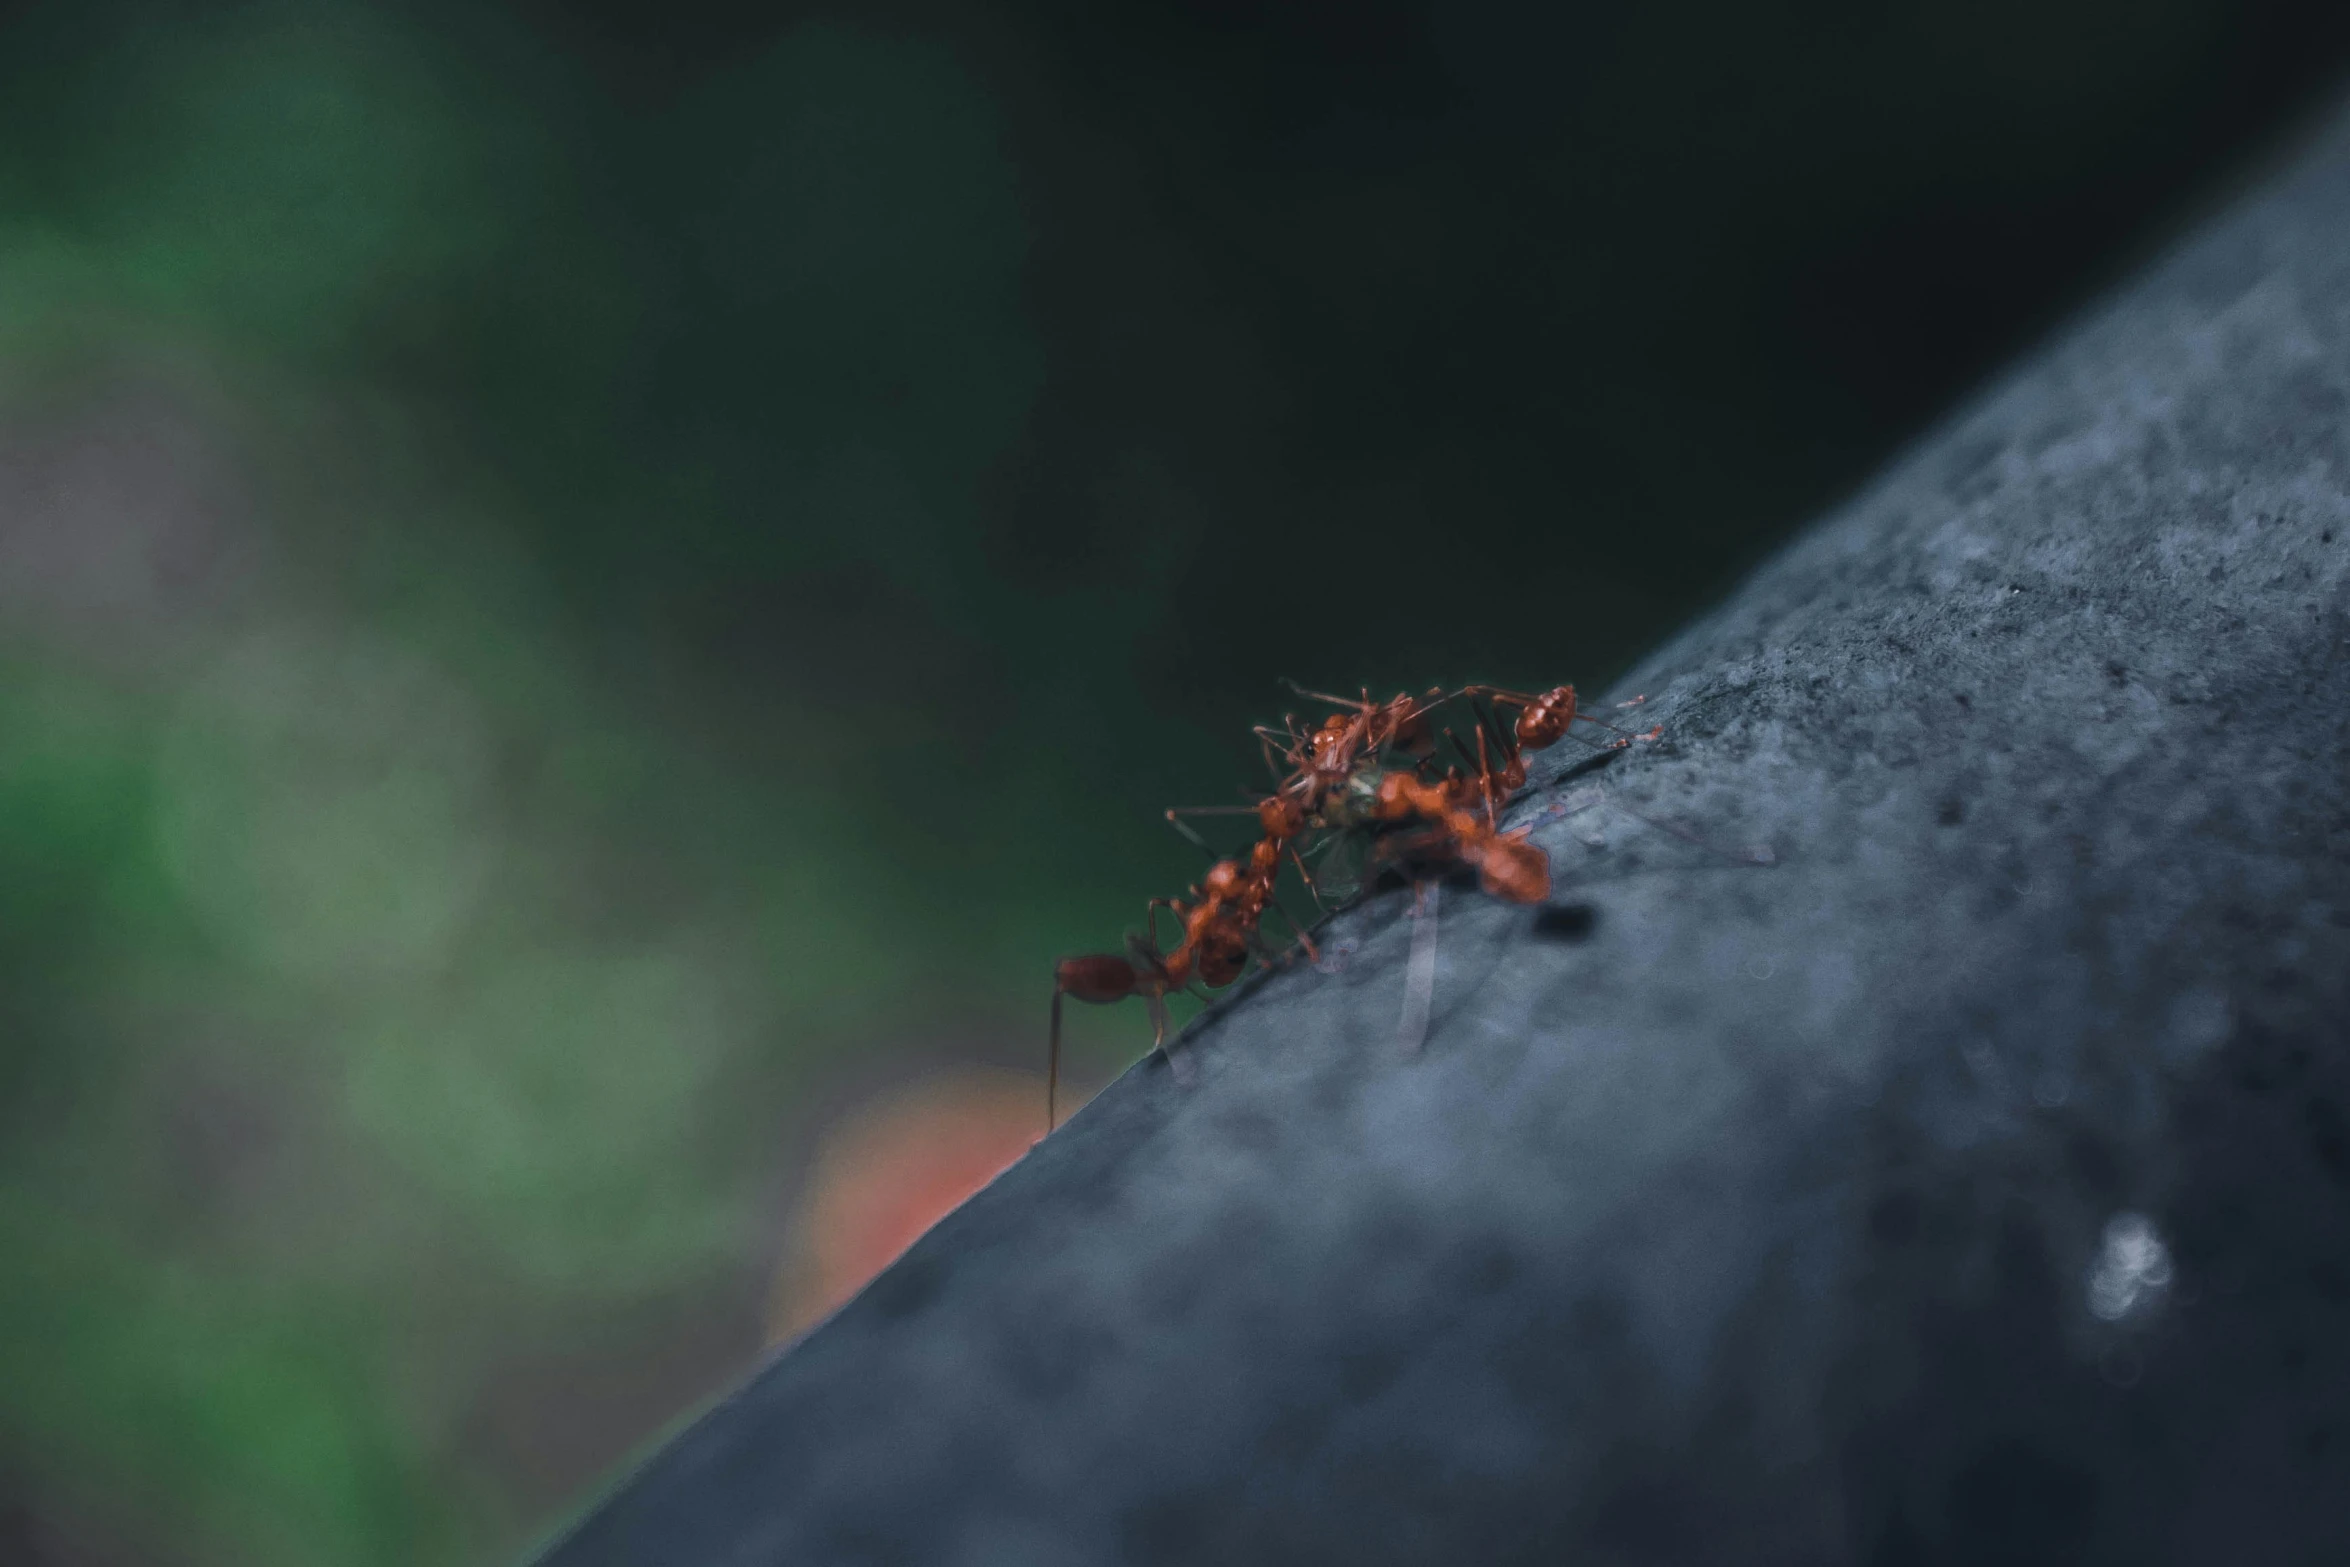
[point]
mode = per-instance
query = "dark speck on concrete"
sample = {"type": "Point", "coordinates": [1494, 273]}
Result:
{"type": "Point", "coordinates": [1567, 922]}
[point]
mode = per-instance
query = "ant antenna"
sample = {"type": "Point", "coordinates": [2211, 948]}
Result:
{"type": "Point", "coordinates": [1364, 702]}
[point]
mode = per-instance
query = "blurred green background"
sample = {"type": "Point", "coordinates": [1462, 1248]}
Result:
{"type": "Point", "coordinates": [586, 588]}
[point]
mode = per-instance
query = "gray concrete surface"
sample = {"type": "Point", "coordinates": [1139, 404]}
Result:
{"type": "Point", "coordinates": [1970, 1185]}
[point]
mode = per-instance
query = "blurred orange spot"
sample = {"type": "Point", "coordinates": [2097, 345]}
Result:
{"type": "Point", "coordinates": [890, 1172]}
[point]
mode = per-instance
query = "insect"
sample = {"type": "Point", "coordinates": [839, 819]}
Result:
{"type": "Point", "coordinates": [1363, 780]}
{"type": "Point", "coordinates": [1460, 818]}
{"type": "Point", "coordinates": [1544, 719]}
{"type": "Point", "coordinates": [1325, 761]}
{"type": "Point", "coordinates": [1219, 935]}
{"type": "Point", "coordinates": [1454, 816]}
{"type": "Point", "coordinates": [1104, 978]}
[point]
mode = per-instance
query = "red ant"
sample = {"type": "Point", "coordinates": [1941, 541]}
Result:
{"type": "Point", "coordinates": [1325, 762]}
{"type": "Point", "coordinates": [1219, 937]}
{"type": "Point", "coordinates": [1375, 795]}
{"type": "Point", "coordinates": [1543, 721]}
{"type": "Point", "coordinates": [1463, 814]}
{"type": "Point", "coordinates": [1339, 780]}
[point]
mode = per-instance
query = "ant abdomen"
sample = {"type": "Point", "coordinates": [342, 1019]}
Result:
{"type": "Point", "coordinates": [1545, 721]}
{"type": "Point", "coordinates": [1102, 978]}
{"type": "Point", "coordinates": [1514, 871]}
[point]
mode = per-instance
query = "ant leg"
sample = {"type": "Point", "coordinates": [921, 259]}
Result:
{"type": "Point", "coordinates": [1514, 698]}
{"type": "Point", "coordinates": [1626, 736]}
{"type": "Point", "coordinates": [1265, 746]}
{"type": "Point", "coordinates": [1335, 701]}
{"type": "Point", "coordinates": [1178, 1061]}
{"type": "Point", "coordinates": [1629, 736]}
{"type": "Point", "coordinates": [1482, 709]}
{"type": "Point", "coordinates": [1299, 936]}
{"type": "Point", "coordinates": [1312, 891]}
{"type": "Point", "coordinates": [1052, 1069]}
{"type": "Point", "coordinates": [1184, 828]}
{"type": "Point", "coordinates": [1176, 813]}
{"type": "Point", "coordinates": [1151, 939]}
{"type": "Point", "coordinates": [1505, 736]}
{"type": "Point", "coordinates": [1485, 784]}
{"type": "Point", "coordinates": [1266, 734]}
{"type": "Point", "coordinates": [1420, 974]}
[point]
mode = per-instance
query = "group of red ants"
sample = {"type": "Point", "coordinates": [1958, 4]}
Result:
{"type": "Point", "coordinates": [1371, 774]}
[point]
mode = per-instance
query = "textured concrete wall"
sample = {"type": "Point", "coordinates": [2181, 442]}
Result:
{"type": "Point", "coordinates": [1972, 1184]}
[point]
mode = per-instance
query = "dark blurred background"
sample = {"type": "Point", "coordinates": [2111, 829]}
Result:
{"type": "Point", "coordinates": [590, 593]}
